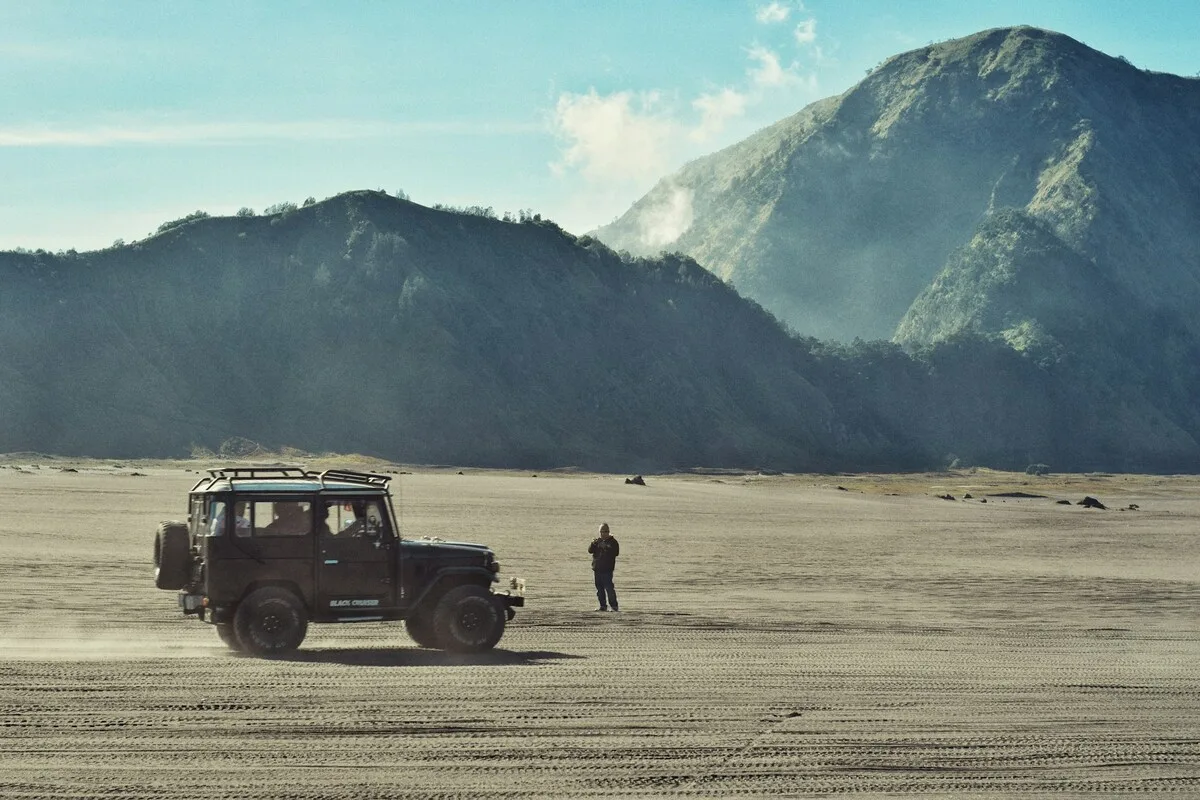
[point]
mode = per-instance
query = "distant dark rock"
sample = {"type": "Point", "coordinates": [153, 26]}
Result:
{"type": "Point", "coordinates": [636, 480]}
{"type": "Point", "coordinates": [1018, 494]}
{"type": "Point", "coordinates": [1091, 502]}
{"type": "Point", "coordinates": [1064, 502]}
{"type": "Point", "coordinates": [946, 496]}
{"type": "Point", "coordinates": [967, 496]}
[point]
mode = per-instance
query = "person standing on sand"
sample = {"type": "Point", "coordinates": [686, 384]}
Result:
{"type": "Point", "coordinates": [604, 550]}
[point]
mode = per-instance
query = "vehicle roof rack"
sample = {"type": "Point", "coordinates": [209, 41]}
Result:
{"type": "Point", "coordinates": [350, 476]}
{"type": "Point", "coordinates": [261, 471]}
{"type": "Point", "coordinates": [253, 472]}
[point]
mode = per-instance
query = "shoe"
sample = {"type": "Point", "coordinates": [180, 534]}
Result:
{"type": "Point", "coordinates": [616, 609]}
{"type": "Point", "coordinates": [602, 609]}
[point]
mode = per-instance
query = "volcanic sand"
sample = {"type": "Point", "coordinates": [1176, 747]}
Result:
{"type": "Point", "coordinates": [778, 636]}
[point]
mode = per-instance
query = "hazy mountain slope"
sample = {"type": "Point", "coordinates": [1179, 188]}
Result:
{"type": "Point", "coordinates": [855, 206]}
{"type": "Point", "coordinates": [369, 324]}
{"type": "Point", "coordinates": [1127, 368]}
{"type": "Point", "coordinates": [1017, 278]}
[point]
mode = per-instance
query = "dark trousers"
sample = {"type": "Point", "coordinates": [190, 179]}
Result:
{"type": "Point", "coordinates": [604, 586]}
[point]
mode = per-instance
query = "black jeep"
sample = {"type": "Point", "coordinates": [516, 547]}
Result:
{"type": "Point", "coordinates": [268, 549]}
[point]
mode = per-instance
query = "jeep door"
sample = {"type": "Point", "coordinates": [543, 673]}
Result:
{"type": "Point", "coordinates": [264, 539]}
{"type": "Point", "coordinates": [356, 573]}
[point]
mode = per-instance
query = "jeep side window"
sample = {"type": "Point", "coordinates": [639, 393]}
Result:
{"type": "Point", "coordinates": [241, 518]}
{"type": "Point", "coordinates": [338, 518]}
{"type": "Point", "coordinates": [283, 518]}
{"type": "Point", "coordinates": [242, 523]}
{"type": "Point", "coordinates": [216, 518]}
{"type": "Point", "coordinates": [326, 517]}
{"type": "Point", "coordinates": [197, 522]}
{"type": "Point", "coordinates": [356, 518]}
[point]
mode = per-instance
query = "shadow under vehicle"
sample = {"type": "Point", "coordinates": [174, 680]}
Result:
{"type": "Point", "coordinates": [268, 549]}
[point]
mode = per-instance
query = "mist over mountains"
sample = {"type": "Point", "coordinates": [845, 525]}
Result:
{"type": "Point", "coordinates": [1014, 185]}
{"type": "Point", "coordinates": [838, 218]}
{"type": "Point", "coordinates": [1015, 212]}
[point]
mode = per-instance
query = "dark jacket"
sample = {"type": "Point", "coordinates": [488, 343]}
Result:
{"type": "Point", "coordinates": [604, 553]}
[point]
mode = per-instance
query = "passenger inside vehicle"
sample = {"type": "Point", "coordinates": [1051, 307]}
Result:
{"type": "Point", "coordinates": [291, 519]}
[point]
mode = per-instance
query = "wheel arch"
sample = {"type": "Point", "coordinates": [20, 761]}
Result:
{"type": "Point", "coordinates": [280, 583]}
{"type": "Point", "coordinates": [446, 580]}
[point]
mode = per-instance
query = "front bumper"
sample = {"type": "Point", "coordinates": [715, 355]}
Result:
{"type": "Point", "coordinates": [513, 598]}
{"type": "Point", "coordinates": [192, 604]}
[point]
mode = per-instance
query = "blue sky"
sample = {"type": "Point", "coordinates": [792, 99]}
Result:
{"type": "Point", "coordinates": [118, 116]}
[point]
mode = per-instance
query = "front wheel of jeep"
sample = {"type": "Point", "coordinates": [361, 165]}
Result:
{"type": "Point", "coordinates": [270, 622]}
{"type": "Point", "coordinates": [420, 630]}
{"type": "Point", "coordinates": [468, 620]}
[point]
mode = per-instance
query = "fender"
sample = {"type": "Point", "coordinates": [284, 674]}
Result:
{"type": "Point", "coordinates": [454, 576]}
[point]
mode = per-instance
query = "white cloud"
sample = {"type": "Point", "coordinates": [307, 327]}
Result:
{"type": "Point", "coordinates": [806, 32]}
{"type": "Point", "coordinates": [624, 140]}
{"type": "Point", "coordinates": [771, 13]}
{"type": "Point", "coordinates": [608, 139]}
{"type": "Point", "coordinates": [666, 220]}
{"type": "Point", "coordinates": [219, 133]}
{"type": "Point", "coordinates": [770, 73]}
{"type": "Point", "coordinates": [716, 109]}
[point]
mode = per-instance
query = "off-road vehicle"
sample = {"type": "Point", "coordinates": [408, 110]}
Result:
{"type": "Point", "coordinates": [268, 549]}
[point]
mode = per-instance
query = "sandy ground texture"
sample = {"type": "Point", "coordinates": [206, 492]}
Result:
{"type": "Point", "coordinates": [779, 636]}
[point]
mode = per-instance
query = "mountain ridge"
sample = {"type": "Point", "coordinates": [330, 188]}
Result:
{"type": "Point", "coordinates": [1034, 271]}
{"type": "Point", "coordinates": [367, 324]}
{"type": "Point", "coordinates": [883, 182]}
{"type": "Point", "coordinates": [268, 328]}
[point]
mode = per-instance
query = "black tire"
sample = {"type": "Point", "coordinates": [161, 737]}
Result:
{"type": "Point", "coordinates": [468, 620]}
{"type": "Point", "coordinates": [172, 556]}
{"type": "Point", "coordinates": [270, 622]}
{"type": "Point", "coordinates": [420, 629]}
{"type": "Point", "coordinates": [227, 634]}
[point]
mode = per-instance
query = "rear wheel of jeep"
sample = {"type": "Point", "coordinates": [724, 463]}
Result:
{"type": "Point", "coordinates": [420, 629]}
{"type": "Point", "coordinates": [228, 635]}
{"type": "Point", "coordinates": [468, 620]}
{"type": "Point", "coordinates": [270, 622]}
{"type": "Point", "coordinates": [172, 556]}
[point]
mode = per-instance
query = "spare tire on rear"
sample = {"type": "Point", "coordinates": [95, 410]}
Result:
{"type": "Point", "coordinates": [172, 556]}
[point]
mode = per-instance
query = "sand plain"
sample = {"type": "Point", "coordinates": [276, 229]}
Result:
{"type": "Point", "coordinates": [780, 636]}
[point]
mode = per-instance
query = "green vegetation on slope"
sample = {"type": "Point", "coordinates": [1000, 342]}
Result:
{"type": "Point", "coordinates": [369, 324]}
